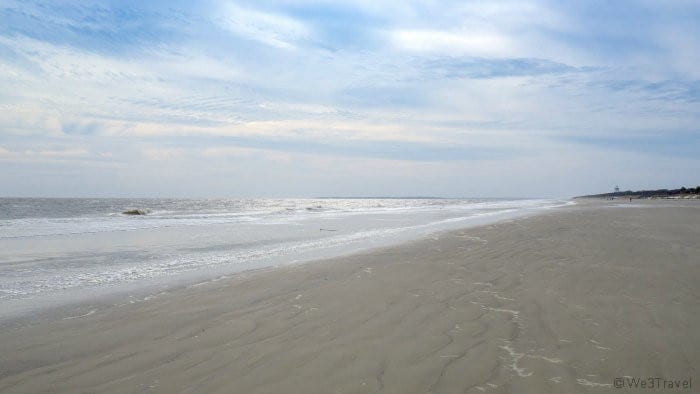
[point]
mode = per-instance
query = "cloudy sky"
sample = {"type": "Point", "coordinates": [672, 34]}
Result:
{"type": "Point", "coordinates": [359, 97]}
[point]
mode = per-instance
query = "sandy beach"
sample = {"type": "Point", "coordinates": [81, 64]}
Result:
{"type": "Point", "coordinates": [562, 302]}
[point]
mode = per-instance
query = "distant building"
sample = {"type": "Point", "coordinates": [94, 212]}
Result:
{"type": "Point", "coordinates": [617, 189]}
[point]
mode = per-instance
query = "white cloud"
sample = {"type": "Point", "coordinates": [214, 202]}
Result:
{"type": "Point", "coordinates": [453, 42]}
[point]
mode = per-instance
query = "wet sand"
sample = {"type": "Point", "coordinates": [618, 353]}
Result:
{"type": "Point", "coordinates": [562, 302]}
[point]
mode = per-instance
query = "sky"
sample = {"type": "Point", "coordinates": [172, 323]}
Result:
{"type": "Point", "coordinates": [354, 98]}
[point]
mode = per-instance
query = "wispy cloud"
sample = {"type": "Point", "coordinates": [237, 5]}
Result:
{"type": "Point", "coordinates": [268, 28]}
{"type": "Point", "coordinates": [451, 67]}
{"type": "Point", "coordinates": [44, 154]}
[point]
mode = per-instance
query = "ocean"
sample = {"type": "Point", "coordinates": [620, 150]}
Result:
{"type": "Point", "coordinates": [55, 251]}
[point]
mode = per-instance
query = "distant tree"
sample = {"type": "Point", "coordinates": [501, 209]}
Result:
{"type": "Point", "coordinates": [683, 189]}
{"type": "Point", "coordinates": [697, 190]}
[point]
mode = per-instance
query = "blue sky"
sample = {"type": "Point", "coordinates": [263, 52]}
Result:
{"type": "Point", "coordinates": [308, 98]}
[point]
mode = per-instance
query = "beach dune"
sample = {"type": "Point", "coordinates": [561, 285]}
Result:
{"type": "Point", "coordinates": [563, 302]}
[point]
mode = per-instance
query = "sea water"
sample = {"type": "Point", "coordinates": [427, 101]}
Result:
{"type": "Point", "coordinates": [54, 250]}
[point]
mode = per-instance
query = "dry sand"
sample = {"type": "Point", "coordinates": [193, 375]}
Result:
{"type": "Point", "coordinates": [562, 302]}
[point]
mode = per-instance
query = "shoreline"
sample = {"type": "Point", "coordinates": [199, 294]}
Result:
{"type": "Point", "coordinates": [72, 302]}
{"type": "Point", "coordinates": [562, 301]}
